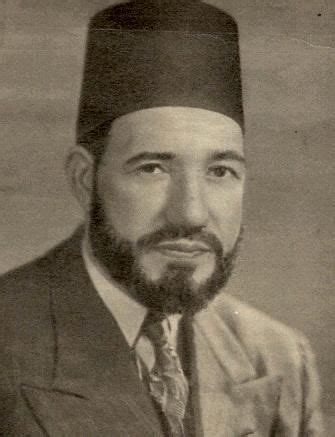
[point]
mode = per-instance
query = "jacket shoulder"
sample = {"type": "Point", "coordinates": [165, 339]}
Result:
{"type": "Point", "coordinates": [41, 270]}
{"type": "Point", "coordinates": [268, 342]}
{"type": "Point", "coordinates": [25, 291]}
{"type": "Point", "coordinates": [27, 330]}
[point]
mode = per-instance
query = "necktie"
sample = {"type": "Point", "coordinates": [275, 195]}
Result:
{"type": "Point", "coordinates": [167, 382]}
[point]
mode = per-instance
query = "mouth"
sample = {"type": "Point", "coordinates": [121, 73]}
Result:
{"type": "Point", "coordinates": [183, 249]}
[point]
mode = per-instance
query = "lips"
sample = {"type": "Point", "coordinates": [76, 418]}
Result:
{"type": "Point", "coordinates": [183, 248]}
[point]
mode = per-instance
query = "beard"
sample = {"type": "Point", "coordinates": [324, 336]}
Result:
{"type": "Point", "coordinates": [175, 291]}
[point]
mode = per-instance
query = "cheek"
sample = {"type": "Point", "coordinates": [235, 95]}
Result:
{"type": "Point", "coordinates": [133, 210]}
{"type": "Point", "coordinates": [226, 216]}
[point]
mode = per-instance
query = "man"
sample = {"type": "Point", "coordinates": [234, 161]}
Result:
{"type": "Point", "coordinates": [122, 330]}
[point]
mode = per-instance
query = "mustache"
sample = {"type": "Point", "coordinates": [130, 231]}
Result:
{"type": "Point", "coordinates": [171, 233]}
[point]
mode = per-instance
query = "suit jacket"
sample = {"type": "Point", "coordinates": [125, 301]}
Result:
{"type": "Point", "coordinates": [66, 369]}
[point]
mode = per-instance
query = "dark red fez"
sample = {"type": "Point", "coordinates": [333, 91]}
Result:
{"type": "Point", "coordinates": [151, 53]}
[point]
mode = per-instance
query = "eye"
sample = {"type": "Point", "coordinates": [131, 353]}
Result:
{"type": "Point", "coordinates": [221, 171]}
{"type": "Point", "coordinates": [150, 168]}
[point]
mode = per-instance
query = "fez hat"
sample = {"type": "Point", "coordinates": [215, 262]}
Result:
{"type": "Point", "coordinates": [154, 53]}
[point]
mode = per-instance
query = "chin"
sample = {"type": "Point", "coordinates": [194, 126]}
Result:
{"type": "Point", "coordinates": [180, 288]}
{"type": "Point", "coordinates": [197, 270]}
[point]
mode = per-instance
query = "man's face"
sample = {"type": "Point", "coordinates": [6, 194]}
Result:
{"type": "Point", "coordinates": [167, 205]}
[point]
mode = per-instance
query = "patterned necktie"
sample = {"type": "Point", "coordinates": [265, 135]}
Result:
{"type": "Point", "coordinates": [167, 382]}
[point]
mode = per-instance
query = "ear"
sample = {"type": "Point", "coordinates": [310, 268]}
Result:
{"type": "Point", "coordinates": [80, 173]}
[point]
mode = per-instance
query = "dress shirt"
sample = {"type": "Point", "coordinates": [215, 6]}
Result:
{"type": "Point", "coordinates": [128, 313]}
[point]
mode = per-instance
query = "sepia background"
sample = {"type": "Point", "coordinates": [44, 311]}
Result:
{"type": "Point", "coordinates": [286, 267]}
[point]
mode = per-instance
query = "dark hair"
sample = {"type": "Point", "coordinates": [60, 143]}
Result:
{"type": "Point", "coordinates": [95, 141]}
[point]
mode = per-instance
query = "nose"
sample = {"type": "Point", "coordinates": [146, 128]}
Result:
{"type": "Point", "coordinates": [187, 205]}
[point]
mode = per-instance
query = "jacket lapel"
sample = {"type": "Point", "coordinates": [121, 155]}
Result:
{"type": "Point", "coordinates": [234, 400]}
{"type": "Point", "coordinates": [60, 413]}
{"type": "Point", "coordinates": [95, 379]}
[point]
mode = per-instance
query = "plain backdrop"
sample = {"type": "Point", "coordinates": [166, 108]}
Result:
{"type": "Point", "coordinates": [286, 265]}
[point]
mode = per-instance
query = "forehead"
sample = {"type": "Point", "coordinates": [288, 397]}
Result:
{"type": "Point", "coordinates": [174, 129]}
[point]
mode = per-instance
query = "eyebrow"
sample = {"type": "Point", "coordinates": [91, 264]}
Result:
{"type": "Point", "coordinates": [227, 155]}
{"type": "Point", "coordinates": [150, 155]}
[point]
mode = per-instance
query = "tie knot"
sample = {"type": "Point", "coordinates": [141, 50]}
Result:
{"type": "Point", "coordinates": [153, 329]}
